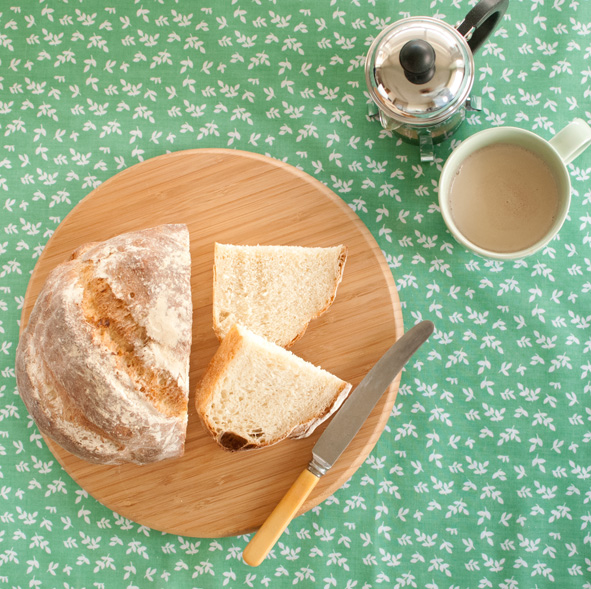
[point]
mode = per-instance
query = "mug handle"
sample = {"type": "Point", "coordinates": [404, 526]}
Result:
{"type": "Point", "coordinates": [481, 21]}
{"type": "Point", "coordinates": [572, 141]}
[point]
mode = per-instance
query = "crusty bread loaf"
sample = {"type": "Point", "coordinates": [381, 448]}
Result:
{"type": "Point", "coordinates": [255, 393]}
{"type": "Point", "coordinates": [103, 364]}
{"type": "Point", "coordinates": [275, 291]}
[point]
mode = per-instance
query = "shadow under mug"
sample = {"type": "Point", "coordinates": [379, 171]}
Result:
{"type": "Point", "coordinates": [557, 153]}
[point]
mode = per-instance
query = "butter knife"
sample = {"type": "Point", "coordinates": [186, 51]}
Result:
{"type": "Point", "coordinates": [335, 438]}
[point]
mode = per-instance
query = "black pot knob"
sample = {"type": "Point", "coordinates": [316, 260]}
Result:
{"type": "Point", "coordinates": [417, 58]}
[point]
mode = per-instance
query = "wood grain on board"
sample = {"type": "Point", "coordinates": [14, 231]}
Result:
{"type": "Point", "coordinates": [240, 198]}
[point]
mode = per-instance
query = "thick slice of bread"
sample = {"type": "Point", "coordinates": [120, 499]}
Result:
{"type": "Point", "coordinates": [103, 364]}
{"type": "Point", "coordinates": [274, 290]}
{"type": "Point", "coordinates": [255, 393]}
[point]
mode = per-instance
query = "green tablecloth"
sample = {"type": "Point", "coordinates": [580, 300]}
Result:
{"type": "Point", "coordinates": [482, 477]}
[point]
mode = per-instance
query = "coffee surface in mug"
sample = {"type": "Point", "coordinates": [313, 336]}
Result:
{"type": "Point", "coordinates": [504, 198]}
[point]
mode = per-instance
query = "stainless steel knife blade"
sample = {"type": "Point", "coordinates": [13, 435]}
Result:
{"type": "Point", "coordinates": [356, 409]}
{"type": "Point", "coordinates": [337, 436]}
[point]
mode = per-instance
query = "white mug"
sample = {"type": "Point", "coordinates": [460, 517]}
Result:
{"type": "Point", "coordinates": [556, 154]}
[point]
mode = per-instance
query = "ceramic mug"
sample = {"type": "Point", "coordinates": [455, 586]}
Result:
{"type": "Point", "coordinates": [492, 210]}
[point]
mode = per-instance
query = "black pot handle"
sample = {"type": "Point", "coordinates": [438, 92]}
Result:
{"type": "Point", "coordinates": [482, 20]}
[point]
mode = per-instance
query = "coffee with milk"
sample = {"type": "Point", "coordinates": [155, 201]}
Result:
{"type": "Point", "coordinates": [504, 198]}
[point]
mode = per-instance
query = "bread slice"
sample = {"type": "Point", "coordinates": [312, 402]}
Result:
{"type": "Point", "coordinates": [275, 291]}
{"type": "Point", "coordinates": [103, 364]}
{"type": "Point", "coordinates": [255, 393]}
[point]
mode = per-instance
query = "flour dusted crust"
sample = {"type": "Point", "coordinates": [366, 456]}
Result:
{"type": "Point", "coordinates": [103, 364]}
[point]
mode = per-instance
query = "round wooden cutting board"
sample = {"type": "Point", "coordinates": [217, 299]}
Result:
{"type": "Point", "coordinates": [239, 198]}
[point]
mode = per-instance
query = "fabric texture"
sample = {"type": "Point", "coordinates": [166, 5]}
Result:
{"type": "Point", "coordinates": [481, 478]}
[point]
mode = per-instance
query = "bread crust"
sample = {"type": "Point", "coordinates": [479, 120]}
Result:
{"type": "Point", "coordinates": [339, 278]}
{"type": "Point", "coordinates": [219, 328]}
{"type": "Point", "coordinates": [230, 347]}
{"type": "Point", "coordinates": [108, 324]}
{"type": "Point", "coordinates": [305, 429]}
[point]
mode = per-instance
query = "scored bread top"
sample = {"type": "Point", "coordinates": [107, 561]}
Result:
{"type": "Point", "coordinates": [103, 364]}
{"type": "Point", "coordinates": [275, 291]}
{"type": "Point", "coordinates": [255, 393]}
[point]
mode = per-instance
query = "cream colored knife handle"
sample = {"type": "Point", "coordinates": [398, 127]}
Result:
{"type": "Point", "coordinates": [279, 519]}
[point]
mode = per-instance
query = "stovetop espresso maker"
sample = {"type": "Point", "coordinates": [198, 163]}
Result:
{"type": "Point", "coordinates": [420, 72]}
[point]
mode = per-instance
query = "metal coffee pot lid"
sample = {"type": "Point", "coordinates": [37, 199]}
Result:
{"type": "Point", "coordinates": [419, 71]}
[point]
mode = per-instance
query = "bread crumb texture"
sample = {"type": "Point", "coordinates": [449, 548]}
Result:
{"type": "Point", "coordinates": [103, 364]}
{"type": "Point", "coordinates": [257, 393]}
{"type": "Point", "coordinates": [275, 291]}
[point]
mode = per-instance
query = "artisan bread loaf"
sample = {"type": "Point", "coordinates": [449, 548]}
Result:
{"type": "Point", "coordinates": [275, 291]}
{"type": "Point", "coordinates": [255, 393]}
{"type": "Point", "coordinates": [103, 364]}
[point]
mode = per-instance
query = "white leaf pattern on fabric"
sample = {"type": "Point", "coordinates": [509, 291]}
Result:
{"type": "Point", "coordinates": [481, 478]}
